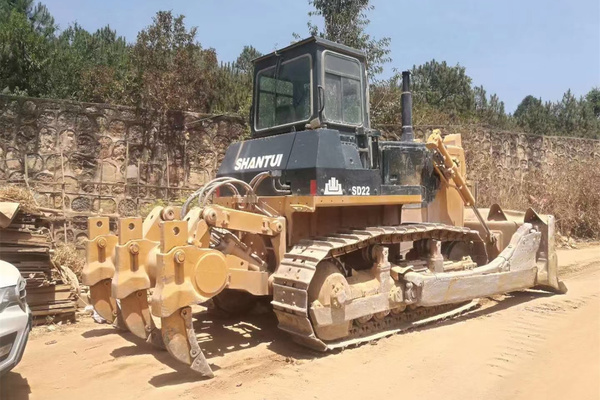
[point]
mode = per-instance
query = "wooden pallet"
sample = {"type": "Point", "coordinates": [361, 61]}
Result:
{"type": "Point", "coordinates": [26, 244]}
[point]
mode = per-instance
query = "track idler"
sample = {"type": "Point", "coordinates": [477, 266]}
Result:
{"type": "Point", "coordinates": [186, 275]}
{"type": "Point", "coordinates": [100, 268]}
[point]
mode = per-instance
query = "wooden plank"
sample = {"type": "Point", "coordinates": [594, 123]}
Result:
{"type": "Point", "coordinates": [61, 287]}
{"type": "Point", "coordinates": [32, 264]}
{"type": "Point", "coordinates": [23, 250]}
{"type": "Point", "coordinates": [52, 312]}
{"type": "Point", "coordinates": [59, 306]}
{"type": "Point", "coordinates": [35, 299]}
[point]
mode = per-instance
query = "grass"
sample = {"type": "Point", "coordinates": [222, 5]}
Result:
{"type": "Point", "coordinates": [20, 195]}
{"type": "Point", "coordinates": [568, 189]}
{"type": "Point", "coordinates": [65, 255]}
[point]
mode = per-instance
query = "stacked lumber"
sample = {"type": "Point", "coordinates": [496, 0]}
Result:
{"type": "Point", "coordinates": [52, 303]}
{"type": "Point", "coordinates": [26, 244]}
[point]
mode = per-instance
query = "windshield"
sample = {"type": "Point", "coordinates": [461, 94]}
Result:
{"type": "Point", "coordinates": [343, 94]}
{"type": "Point", "coordinates": [284, 94]}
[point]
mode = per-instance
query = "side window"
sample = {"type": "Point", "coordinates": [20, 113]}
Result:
{"type": "Point", "coordinates": [343, 89]}
{"type": "Point", "coordinates": [284, 93]}
{"type": "Point", "coordinates": [274, 95]}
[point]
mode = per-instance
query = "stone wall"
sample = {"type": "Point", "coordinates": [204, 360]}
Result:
{"type": "Point", "coordinates": [553, 175]}
{"type": "Point", "coordinates": [83, 159]}
{"type": "Point", "coordinates": [87, 159]}
{"type": "Point", "coordinates": [513, 156]}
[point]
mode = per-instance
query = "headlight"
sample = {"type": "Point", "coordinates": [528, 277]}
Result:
{"type": "Point", "coordinates": [9, 296]}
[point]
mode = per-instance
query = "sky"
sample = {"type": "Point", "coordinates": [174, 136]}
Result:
{"type": "Point", "coordinates": [513, 48]}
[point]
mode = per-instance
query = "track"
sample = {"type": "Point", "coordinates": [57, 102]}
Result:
{"type": "Point", "coordinates": [293, 277]}
{"type": "Point", "coordinates": [529, 345]}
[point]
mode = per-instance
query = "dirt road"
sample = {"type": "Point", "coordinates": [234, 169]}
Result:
{"type": "Point", "coordinates": [528, 345]}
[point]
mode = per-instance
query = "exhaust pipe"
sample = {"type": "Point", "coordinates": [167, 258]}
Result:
{"type": "Point", "coordinates": [406, 99]}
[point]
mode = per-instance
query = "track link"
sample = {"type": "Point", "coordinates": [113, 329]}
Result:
{"type": "Point", "coordinates": [293, 277]}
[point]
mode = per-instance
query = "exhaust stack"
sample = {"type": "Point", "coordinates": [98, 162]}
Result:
{"type": "Point", "coordinates": [406, 99]}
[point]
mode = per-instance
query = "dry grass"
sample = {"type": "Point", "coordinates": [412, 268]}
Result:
{"type": "Point", "coordinates": [568, 189]}
{"type": "Point", "coordinates": [20, 195]}
{"type": "Point", "coordinates": [66, 255]}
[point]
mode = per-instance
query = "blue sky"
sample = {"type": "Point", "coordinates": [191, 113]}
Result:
{"type": "Point", "coordinates": [512, 47]}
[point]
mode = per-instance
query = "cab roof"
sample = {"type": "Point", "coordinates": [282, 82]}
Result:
{"type": "Point", "coordinates": [319, 41]}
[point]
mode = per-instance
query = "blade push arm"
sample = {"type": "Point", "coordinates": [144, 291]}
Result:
{"type": "Point", "coordinates": [449, 171]}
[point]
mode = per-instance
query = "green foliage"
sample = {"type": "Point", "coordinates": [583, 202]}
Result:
{"type": "Point", "coordinates": [244, 60]}
{"type": "Point", "coordinates": [593, 100]}
{"type": "Point", "coordinates": [567, 117]}
{"type": "Point", "coordinates": [345, 22]}
{"type": "Point", "coordinates": [24, 56]}
{"type": "Point", "coordinates": [172, 69]}
{"type": "Point", "coordinates": [37, 15]}
{"type": "Point", "coordinates": [235, 88]}
{"type": "Point", "coordinates": [90, 67]}
{"type": "Point", "coordinates": [443, 87]}
{"type": "Point", "coordinates": [442, 95]}
{"type": "Point", "coordinates": [490, 112]}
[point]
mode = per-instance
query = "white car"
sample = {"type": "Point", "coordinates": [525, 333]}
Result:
{"type": "Point", "coordinates": [15, 317]}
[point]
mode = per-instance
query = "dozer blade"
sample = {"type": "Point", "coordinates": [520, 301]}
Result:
{"type": "Point", "coordinates": [180, 340]}
{"type": "Point", "coordinates": [505, 223]}
{"type": "Point", "coordinates": [517, 267]}
{"type": "Point", "coordinates": [137, 318]}
{"type": "Point", "coordinates": [103, 303]}
{"type": "Point", "coordinates": [547, 260]}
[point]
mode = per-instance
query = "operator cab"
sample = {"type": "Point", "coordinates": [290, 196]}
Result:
{"type": "Point", "coordinates": [311, 84]}
{"type": "Point", "coordinates": [311, 131]}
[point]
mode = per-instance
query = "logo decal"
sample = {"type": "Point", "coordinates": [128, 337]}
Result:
{"type": "Point", "coordinates": [272, 160]}
{"type": "Point", "coordinates": [333, 187]}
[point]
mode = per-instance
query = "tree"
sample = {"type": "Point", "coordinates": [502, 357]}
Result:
{"type": "Point", "coordinates": [480, 98]}
{"type": "Point", "coordinates": [568, 117]}
{"type": "Point", "coordinates": [593, 98]}
{"type": "Point", "coordinates": [235, 83]}
{"type": "Point", "coordinates": [24, 55]}
{"type": "Point", "coordinates": [445, 88]}
{"type": "Point", "coordinates": [489, 112]}
{"type": "Point", "coordinates": [38, 15]}
{"type": "Point", "coordinates": [173, 72]}
{"type": "Point", "coordinates": [345, 23]}
{"type": "Point", "coordinates": [496, 114]}
{"type": "Point", "coordinates": [526, 105]}
{"type": "Point", "coordinates": [244, 60]}
{"type": "Point", "coordinates": [109, 77]}
{"type": "Point", "coordinates": [533, 116]}
{"type": "Point", "coordinates": [88, 66]}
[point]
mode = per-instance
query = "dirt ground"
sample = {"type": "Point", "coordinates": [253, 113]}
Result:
{"type": "Point", "coordinates": [528, 345]}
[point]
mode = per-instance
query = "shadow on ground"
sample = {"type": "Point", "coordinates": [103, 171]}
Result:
{"type": "Point", "coordinates": [219, 335]}
{"type": "Point", "coordinates": [13, 386]}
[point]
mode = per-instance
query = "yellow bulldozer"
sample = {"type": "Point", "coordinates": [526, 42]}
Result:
{"type": "Point", "coordinates": [353, 237]}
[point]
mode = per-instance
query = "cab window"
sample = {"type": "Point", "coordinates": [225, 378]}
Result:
{"type": "Point", "coordinates": [343, 89]}
{"type": "Point", "coordinates": [284, 94]}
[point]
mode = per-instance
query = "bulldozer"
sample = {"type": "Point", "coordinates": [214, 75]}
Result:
{"type": "Point", "coordinates": [352, 237]}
